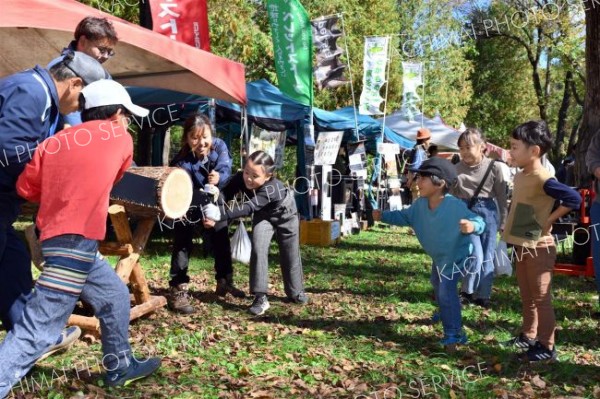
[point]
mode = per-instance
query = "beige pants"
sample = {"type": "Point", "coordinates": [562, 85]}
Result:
{"type": "Point", "coordinates": [534, 275]}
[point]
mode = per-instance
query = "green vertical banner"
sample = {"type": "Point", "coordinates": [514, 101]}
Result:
{"type": "Point", "coordinates": [292, 44]}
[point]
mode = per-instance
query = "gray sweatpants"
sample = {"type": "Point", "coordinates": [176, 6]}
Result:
{"type": "Point", "coordinates": [283, 222]}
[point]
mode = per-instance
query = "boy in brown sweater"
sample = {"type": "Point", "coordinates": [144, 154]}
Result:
{"type": "Point", "coordinates": [528, 228]}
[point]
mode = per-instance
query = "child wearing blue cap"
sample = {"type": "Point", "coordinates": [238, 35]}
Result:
{"type": "Point", "coordinates": [442, 224]}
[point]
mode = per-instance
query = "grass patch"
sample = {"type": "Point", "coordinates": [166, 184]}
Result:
{"type": "Point", "coordinates": [364, 334]}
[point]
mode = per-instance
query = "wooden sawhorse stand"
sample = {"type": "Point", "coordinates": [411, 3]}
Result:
{"type": "Point", "coordinates": [129, 247]}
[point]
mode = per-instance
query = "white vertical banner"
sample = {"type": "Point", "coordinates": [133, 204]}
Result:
{"type": "Point", "coordinates": [412, 79]}
{"type": "Point", "coordinates": [374, 65]}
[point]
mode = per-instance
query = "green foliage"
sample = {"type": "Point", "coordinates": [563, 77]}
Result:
{"type": "Point", "coordinates": [503, 93]}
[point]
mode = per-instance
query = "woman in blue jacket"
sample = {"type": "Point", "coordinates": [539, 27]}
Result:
{"type": "Point", "coordinates": [207, 160]}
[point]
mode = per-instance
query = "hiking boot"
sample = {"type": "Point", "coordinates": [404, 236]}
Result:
{"type": "Point", "coordinates": [538, 352]}
{"type": "Point", "coordinates": [179, 299]}
{"type": "Point", "coordinates": [454, 339]}
{"type": "Point", "coordinates": [68, 336]}
{"type": "Point", "coordinates": [519, 342]}
{"type": "Point", "coordinates": [483, 302]}
{"type": "Point", "coordinates": [466, 299]}
{"type": "Point", "coordinates": [225, 286]}
{"type": "Point", "coordinates": [260, 305]}
{"type": "Point", "coordinates": [136, 370]}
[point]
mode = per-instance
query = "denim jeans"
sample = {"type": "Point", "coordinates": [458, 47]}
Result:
{"type": "Point", "coordinates": [480, 278]}
{"type": "Point", "coordinates": [48, 310]}
{"type": "Point", "coordinates": [446, 294]}
{"type": "Point", "coordinates": [595, 234]}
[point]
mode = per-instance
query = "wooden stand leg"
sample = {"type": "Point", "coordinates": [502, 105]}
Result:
{"type": "Point", "coordinates": [129, 246]}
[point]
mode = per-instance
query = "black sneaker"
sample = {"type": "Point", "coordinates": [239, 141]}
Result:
{"type": "Point", "coordinates": [520, 342]}
{"type": "Point", "coordinates": [136, 370]}
{"type": "Point", "coordinates": [483, 302]}
{"type": "Point", "coordinates": [539, 352]}
{"type": "Point", "coordinates": [260, 305]}
{"type": "Point", "coordinates": [466, 299]}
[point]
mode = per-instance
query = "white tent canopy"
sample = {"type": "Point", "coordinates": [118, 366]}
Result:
{"type": "Point", "coordinates": [442, 135]}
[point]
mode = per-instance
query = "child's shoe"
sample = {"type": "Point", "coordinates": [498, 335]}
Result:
{"type": "Point", "coordinates": [260, 305]}
{"type": "Point", "coordinates": [538, 352]}
{"type": "Point", "coordinates": [519, 342]}
{"type": "Point", "coordinates": [457, 339]}
{"type": "Point", "coordinates": [135, 371]}
{"type": "Point", "coordinates": [466, 299]}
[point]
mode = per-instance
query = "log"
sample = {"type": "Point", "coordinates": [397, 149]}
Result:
{"type": "Point", "coordinates": [139, 285]}
{"type": "Point", "coordinates": [140, 238]}
{"type": "Point", "coordinates": [115, 249]}
{"type": "Point", "coordinates": [84, 322]}
{"type": "Point", "coordinates": [151, 191]}
{"type": "Point", "coordinates": [93, 324]}
{"type": "Point", "coordinates": [155, 302]}
{"type": "Point", "coordinates": [120, 223]}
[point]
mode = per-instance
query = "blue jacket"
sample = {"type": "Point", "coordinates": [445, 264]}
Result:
{"type": "Point", "coordinates": [28, 115]}
{"type": "Point", "coordinates": [218, 160]}
{"type": "Point", "coordinates": [438, 230]}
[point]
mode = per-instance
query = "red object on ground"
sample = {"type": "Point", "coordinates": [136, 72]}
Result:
{"type": "Point", "coordinates": [35, 31]}
{"type": "Point", "coordinates": [586, 270]}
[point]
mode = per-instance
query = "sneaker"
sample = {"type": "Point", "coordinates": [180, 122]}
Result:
{"type": "Point", "coordinates": [519, 342]}
{"type": "Point", "coordinates": [260, 305]}
{"type": "Point", "coordinates": [454, 339]}
{"type": "Point", "coordinates": [538, 352]}
{"type": "Point", "coordinates": [136, 370]}
{"type": "Point", "coordinates": [466, 299]}
{"type": "Point", "coordinates": [179, 299]}
{"type": "Point", "coordinates": [68, 336]}
{"type": "Point", "coordinates": [483, 302]}
{"type": "Point", "coordinates": [225, 286]}
{"type": "Point", "coordinates": [301, 299]}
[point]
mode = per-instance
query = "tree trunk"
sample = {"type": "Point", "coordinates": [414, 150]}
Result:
{"type": "Point", "coordinates": [562, 116]}
{"type": "Point", "coordinates": [590, 124]}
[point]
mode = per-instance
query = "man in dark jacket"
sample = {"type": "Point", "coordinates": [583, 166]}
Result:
{"type": "Point", "coordinates": [30, 104]}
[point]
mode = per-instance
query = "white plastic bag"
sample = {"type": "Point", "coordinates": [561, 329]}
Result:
{"type": "Point", "coordinates": [241, 246]}
{"type": "Point", "coordinates": [502, 262]}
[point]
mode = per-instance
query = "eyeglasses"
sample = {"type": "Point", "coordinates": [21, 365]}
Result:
{"type": "Point", "coordinates": [107, 51]}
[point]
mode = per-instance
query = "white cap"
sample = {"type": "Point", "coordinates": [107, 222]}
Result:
{"type": "Point", "coordinates": [108, 92]}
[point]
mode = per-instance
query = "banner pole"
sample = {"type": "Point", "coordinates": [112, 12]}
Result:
{"type": "Point", "coordinates": [356, 135]}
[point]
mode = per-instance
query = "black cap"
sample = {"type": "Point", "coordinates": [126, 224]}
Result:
{"type": "Point", "coordinates": [439, 167]}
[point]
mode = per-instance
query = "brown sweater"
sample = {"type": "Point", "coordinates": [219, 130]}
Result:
{"type": "Point", "coordinates": [529, 210]}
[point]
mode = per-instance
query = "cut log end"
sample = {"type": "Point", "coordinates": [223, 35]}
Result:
{"type": "Point", "coordinates": [176, 194]}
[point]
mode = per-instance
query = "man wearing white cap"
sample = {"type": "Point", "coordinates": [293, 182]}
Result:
{"type": "Point", "coordinates": [71, 175]}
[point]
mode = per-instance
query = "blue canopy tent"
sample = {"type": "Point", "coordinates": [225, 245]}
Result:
{"type": "Point", "coordinates": [369, 128]}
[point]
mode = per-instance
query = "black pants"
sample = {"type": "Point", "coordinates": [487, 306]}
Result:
{"type": "Point", "coordinates": [183, 244]}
